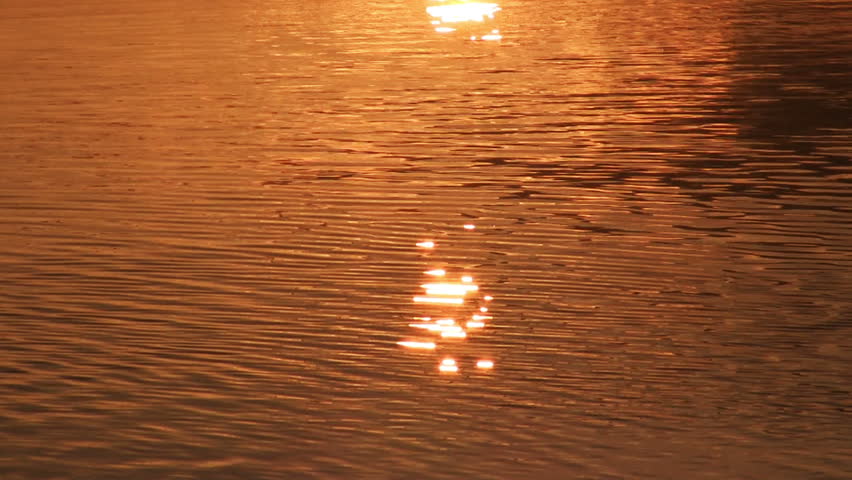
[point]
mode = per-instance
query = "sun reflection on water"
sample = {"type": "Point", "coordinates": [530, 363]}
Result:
{"type": "Point", "coordinates": [448, 300]}
{"type": "Point", "coordinates": [485, 364]}
{"type": "Point", "coordinates": [417, 345]}
{"type": "Point", "coordinates": [473, 18]}
{"type": "Point", "coordinates": [453, 289]}
{"type": "Point", "coordinates": [448, 365]}
{"type": "Point", "coordinates": [444, 300]}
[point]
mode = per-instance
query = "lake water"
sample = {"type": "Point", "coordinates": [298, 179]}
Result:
{"type": "Point", "coordinates": [210, 211]}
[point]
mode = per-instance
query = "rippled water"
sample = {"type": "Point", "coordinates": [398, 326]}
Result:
{"type": "Point", "coordinates": [209, 214]}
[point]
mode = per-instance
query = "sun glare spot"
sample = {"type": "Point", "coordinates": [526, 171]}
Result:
{"type": "Point", "coordinates": [464, 12]}
{"type": "Point", "coordinates": [448, 365]}
{"type": "Point", "coordinates": [453, 333]}
{"type": "Point", "coordinates": [448, 289]}
{"type": "Point", "coordinates": [485, 364]}
{"type": "Point", "coordinates": [448, 368]}
{"type": "Point", "coordinates": [440, 300]}
{"type": "Point", "coordinates": [432, 327]}
{"type": "Point", "coordinates": [418, 345]}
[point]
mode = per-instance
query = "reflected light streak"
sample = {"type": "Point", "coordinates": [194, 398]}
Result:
{"type": "Point", "coordinates": [440, 300]}
{"type": "Point", "coordinates": [485, 364]}
{"type": "Point", "coordinates": [450, 332]}
{"type": "Point", "coordinates": [464, 12]}
{"type": "Point", "coordinates": [453, 289]}
{"type": "Point", "coordinates": [446, 331]}
{"type": "Point", "coordinates": [443, 293]}
{"type": "Point", "coordinates": [451, 329]}
{"type": "Point", "coordinates": [432, 327]}
{"type": "Point", "coordinates": [418, 345]}
{"type": "Point", "coordinates": [445, 29]}
{"type": "Point", "coordinates": [448, 365]}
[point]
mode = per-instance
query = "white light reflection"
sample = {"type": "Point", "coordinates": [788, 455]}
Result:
{"type": "Point", "coordinates": [448, 296]}
{"type": "Point", "coordinates": [440, 300]}
{"type": "Point", "coordinates": [417, 345]}
{"type": "Point", "coordinates": [450, 332]}
{"type": "Point", "coordinates": [454, 289]}
{"type": "Point", "coordinates": [485, 364]}
{"type": "Point", "coordinates": [464, 12]}
{"type": "Point", "coordinates": [445, 330]}
{"type": "Point", "coordinates": [432, 327]}
{"type": "Point", "coordinates": [448, 365]}
{"type": "Point", "coordinates": [469, 16]}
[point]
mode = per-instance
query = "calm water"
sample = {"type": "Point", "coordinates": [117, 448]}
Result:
{"type": "Point", "coordinates": [209, 214]}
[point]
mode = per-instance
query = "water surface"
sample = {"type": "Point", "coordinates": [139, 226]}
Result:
{"type": "Point", "coordinates": [209, 215]}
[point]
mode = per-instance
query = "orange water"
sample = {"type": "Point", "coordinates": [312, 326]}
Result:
{"type": "Point", "coordinates": [209, 214]}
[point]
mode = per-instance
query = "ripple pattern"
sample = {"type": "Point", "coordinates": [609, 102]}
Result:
{"type": "Point", "coordinates": [209, 212]}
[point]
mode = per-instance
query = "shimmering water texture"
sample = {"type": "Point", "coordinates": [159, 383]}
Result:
{"type": "Point", "coordinates": [320, 240]}
{"type": "Point", "coordinates": [458, 309]}
{"type": "Point", "coordinates": [476, 19]}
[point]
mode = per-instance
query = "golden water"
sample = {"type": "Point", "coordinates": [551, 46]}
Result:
{"type": "Point", "coordinates": [210, 211]}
